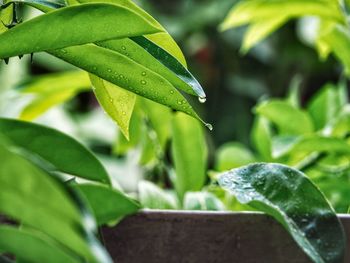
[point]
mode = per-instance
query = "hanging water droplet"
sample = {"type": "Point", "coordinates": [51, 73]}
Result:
{"type": "Point", "coordinates": [209, 126]}
{"type": "Point", "coordinates": [202, 99]}
{"type": "Point", "coordinates": [143, 82]}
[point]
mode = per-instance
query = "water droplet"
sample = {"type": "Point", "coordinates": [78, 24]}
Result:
{"type": "Point", "coordinates": [202, 99]}
{"type": "Point", "coordinates": [172, 92]}
{"type": "Point", "coordinates": [111, 100]}
{"type": "Point", "coordinates": [94, 68]}
{"type": "Point", "coordinates": [109, 70]}
{"type": "Point", "coordinates": [143, 73]}
{"type": "Point", "coordinates": [124, 113]}
{"type": "Point", "coordinates": [209, 126]}
{"type": "Point", "coordinates": [64, 51]}
{"type": "Point", "coordinates": [123, 48]}
{"type": "Point", "coordinates": [179, 102]}
{"type": "Point", "coordinates": [143, 82]}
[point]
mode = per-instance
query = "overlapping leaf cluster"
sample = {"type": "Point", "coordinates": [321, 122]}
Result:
{"type": "Point", "coordinates": [125, 51]}
{"type": "Point", "coordinates": [55, 221]}
{"type": "Point", "coordinates": [263, 17]}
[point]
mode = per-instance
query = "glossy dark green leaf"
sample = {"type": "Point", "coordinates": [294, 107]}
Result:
{"type": "Point", "coordinates": [36, 199]}
{"type": "Point", "coordinates": [291, 198]}
{"type": "Point", "coordinates": [171, 63]}
{"type": "Point", "coordinates": [104, 22]}
{"type": "Point", "coordinates": [33, 247]}
{"type": "Point", "coordinates": [153, 197]}
{"type": "Point", "coordinates": [107, 204]}
{"type": "Point", "coordinates": [187, 139]}
{"type": "Point", "coordinates": [60, 151]}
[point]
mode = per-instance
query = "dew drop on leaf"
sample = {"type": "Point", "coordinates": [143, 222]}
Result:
{"type": "Point", "coordinates": [202, 99]}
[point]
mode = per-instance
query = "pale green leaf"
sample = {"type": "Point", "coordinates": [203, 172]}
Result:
{"type": "Point", "coordinates": [232, 155]}
{"type": "Point", "coordinates": [153, 197]}
{"type": "Point", "coordinates": [260, 30]}
{"type": "Point", "coordinates": [203, 201]}
{"type": "Point", "coordinates": [117, 102]}
{"type": "Point", "coordinates": [187, 139]}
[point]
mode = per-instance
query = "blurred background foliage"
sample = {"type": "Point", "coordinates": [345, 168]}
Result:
{"type": "Point", "coordinates": [233, 83]}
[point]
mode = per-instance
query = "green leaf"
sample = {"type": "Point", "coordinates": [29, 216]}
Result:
{"type": "Point", "coordinates": [59, 151]}
{"type": "Point", "coordinates": [260, 30]}
{"type": "Point", "coordinates": [173, 64]}
{"type": "Point", "coordinates": [317, 143]}
{"type": "Point", "coordinates": [159, 119]}
{"type": "Point", "coordinates": [261, 10]}
{"type": "Point", "coordinates": [261, 137]}
{"type": "Point", "coordinates": [288, 119]}
{"type": "Point", "coordinates": [50, 209]}
{"type": "Point", "coordinates": [125, 73]}
{"type": "Point", "coordinates": [341, 125]}
{"type": "Point", "coordinates": [188, 137]}
{"type": "Point", "coordinates": [51, 90]}
{"type": "Point", "coordinates": [117, 102]}
{"type": "Point", "coordinates": [104, 21]}
{"type": "Point", "coordinates": [153, 197]}
{"type": "Point", "coordinates": [232, 155]}
{"type": "Point", "coordinates": [107, 204]}
{"type": "Point", "coordinates": [202, 201]}
{"type": "Point", "coordinates": [291, 198]}
{"type": "Point", "coordinates": [33, 247]}
{"type": "Point", "coordinates": [325, 106]}
{"type": "Point", "coordinates": [337, 38]}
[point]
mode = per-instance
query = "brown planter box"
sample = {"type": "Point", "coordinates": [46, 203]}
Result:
{"type": "Point", "coordinates": [223, 237]}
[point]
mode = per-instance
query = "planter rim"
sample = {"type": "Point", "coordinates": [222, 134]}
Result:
{"type": "Point", "coordinates": [218, 213]}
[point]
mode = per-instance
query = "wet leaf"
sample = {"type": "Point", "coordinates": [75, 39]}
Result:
{"type": "Point", "coordinates": [125, 73]}
{"type": "Point", "coordinates": [105, 21]}
{"type": "Point", "coordinates": [291, 198]}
